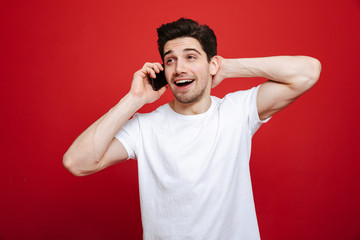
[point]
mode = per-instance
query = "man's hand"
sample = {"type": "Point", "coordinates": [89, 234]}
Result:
{"type": "Point", "coordinates": [141, 86]}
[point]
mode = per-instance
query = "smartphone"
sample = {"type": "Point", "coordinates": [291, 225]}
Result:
{"type": "Point", "coordinates": [159, 81]}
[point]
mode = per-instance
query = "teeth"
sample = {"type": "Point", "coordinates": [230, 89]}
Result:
{"type": "Point", "coordinates": [183, 81]}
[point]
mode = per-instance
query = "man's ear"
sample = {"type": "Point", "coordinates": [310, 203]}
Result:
{"type": "Point", "coordinates": [214, 65]}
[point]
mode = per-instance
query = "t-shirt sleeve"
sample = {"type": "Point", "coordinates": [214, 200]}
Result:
{"type": "Point", "coordinates": [254, 118]}
{"type": "Point", "coordinates": [245, 101]}
{"type": "Point", "coordinates": [128, 136]}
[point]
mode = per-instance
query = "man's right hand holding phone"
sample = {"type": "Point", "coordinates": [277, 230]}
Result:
{"type": "Point", "coordinates": [141, 84]}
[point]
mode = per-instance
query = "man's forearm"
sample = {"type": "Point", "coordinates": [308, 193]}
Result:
{"type": "Point", "coordinates": [87, 150]}
{"type": "Point", "coordinates": [282, 69]}
{"type": "Point", "coordinates": [95, 148]}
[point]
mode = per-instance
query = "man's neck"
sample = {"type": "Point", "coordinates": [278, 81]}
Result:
{"type": "Point", "coordinates": [191, 108]}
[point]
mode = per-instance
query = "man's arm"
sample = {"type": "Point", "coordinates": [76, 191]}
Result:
{"type": "Point", "coordinates": [289, 77]}
{"type": "Point", "coordinates": [96, 148]}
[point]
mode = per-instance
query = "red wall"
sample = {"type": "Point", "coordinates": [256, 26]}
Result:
{"type": "Point", "coordinates": [65, 63]}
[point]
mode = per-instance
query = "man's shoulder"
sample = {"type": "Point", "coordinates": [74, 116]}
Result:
{"type": "Point", "coordinates": [157, 113]}
{"type": "Point", "coordinates": [242, 93]}
{"type": "Point", "coordinates": [241, 96]}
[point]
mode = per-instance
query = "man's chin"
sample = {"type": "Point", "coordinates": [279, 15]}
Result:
{"type": "Point", "coordinates": [186, 99]}
{"type": "Point", "coordinates": [189, 97]}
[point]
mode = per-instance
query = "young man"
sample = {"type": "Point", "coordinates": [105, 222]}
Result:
{"type": "Point", "coordinates": [193, 153]}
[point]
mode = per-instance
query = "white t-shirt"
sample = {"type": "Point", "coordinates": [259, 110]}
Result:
{"type": "Point", "coordinates": [194, 176]}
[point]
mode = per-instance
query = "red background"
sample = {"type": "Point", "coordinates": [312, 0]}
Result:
{"type": "Point", "coordinates": [65, 63]}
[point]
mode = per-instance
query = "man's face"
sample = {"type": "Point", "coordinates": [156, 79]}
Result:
{"type": "Point", "coordinates": [187, 69]}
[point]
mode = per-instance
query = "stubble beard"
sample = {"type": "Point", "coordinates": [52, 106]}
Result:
{"type": "Point", "coordinates": [190, 98]}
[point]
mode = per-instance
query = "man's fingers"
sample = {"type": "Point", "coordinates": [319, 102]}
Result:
{"type": "Point", "coordinates": [158, 67]}
{"type": "Point", "coordinates": [151, 72]}
{"type": "Point", "coordinates": [148, 71]}
{"type": "Point", "coordinates": [152, 68]}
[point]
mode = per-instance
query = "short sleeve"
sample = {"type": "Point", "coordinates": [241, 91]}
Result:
{"type": "Point", "coordinates": [254, 118]}
{"type": "Point", "coordinates": [245, 101]}
{"type": "Point", "coordinates": [128, 136]}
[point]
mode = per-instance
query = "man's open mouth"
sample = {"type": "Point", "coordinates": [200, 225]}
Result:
{"type": "Point", "coordinates": [181, 83]}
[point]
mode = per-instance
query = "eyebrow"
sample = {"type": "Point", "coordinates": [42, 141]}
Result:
{"type": "Point", "coordinates": [185, 50]}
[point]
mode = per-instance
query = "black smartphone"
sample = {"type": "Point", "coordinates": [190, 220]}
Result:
{"type": "Point", "coordinates": [159, 81]}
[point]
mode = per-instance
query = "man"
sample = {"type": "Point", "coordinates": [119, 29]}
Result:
{"type": "Point", "coordinates": [193, 153]}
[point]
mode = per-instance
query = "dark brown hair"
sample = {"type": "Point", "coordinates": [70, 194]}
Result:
{"type": "Point", "coordinates": [188, 28]}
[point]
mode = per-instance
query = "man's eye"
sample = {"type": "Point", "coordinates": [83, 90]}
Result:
{"type": "Point", "coordinates": [170, 60]}
{"type": "Point", "coordinates": [191, 57]}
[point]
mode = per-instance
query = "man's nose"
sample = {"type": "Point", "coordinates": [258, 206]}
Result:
{"type": "Point", "coordinates": [180, 67]}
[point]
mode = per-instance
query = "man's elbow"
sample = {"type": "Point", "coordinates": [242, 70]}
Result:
{"type": "Point", "coordinates": [70, 165]}
{"type": "Point", "coordinates": [308, 75]}
{"type": "Point", "coordinates": [313, 71]}
{"type": "Point", "coordinates": [316, 69]}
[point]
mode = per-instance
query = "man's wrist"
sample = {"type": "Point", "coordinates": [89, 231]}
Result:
{"type": "Point", "coordinates": [227, 65]}
{"type": "Point", "coordinates": [240, 67]}
{"type": "Point", "coordinates": [132, 101]}
{"type": "Point", "coordinates": [229, 68]}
